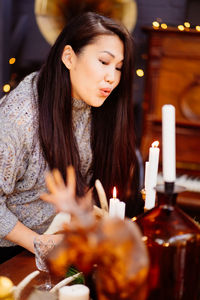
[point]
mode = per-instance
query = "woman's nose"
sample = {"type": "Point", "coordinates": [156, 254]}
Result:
{"type": "Point", "coordinates": [110, 76]}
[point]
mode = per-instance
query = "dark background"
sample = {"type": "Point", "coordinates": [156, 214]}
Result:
{"type": "Point", "coordinates": [20, 38]}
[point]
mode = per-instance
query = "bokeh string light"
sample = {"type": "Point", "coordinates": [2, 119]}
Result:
{"type": "Point", "coordinates": [12, 60]}
{"type": "Point", "coordinates": [156, 24]}
{"type": "Point", "coordinates": [140, 72]}
{"type": "Point", "coordinates": [187, 24]}
{"type": "Point", "coordinates": [198, 28]}
{"type": "Point", "coordinates": [6, 88]}
{"type": "Point", "coordinates": [182, 27]}
{"type": "Point", "coordinates": [163, 26]}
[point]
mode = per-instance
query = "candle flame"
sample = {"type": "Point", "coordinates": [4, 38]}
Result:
{"type": "Point", "coordinates": [114, 192]}
{"type": "Point", "coordinates": [155, 144]}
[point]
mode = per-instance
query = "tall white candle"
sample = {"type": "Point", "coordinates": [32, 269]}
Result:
{"type": "Point", "coordinates": [168, 143]}
{"type": "Point", "coordinates": [74, 292]}
{"type": "Point", "coordinates": [150, 198]}
{"type": "Point", "coordinates": [151, 172]}
{"type": "Point", "coordinates": [154, 152]}
{"type": "Point", "coordinates": [147, 176]}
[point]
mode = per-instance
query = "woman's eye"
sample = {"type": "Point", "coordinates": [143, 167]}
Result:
{"type": "Point", "coordinates": [119, 69]}
{"type": "Point", "coordinates": [103, 62]}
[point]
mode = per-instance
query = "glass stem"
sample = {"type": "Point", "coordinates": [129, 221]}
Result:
{"type": "Point", "coordinates": [48, 281]}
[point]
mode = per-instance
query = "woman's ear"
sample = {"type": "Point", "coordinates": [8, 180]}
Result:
{"type": "Point", "coordinates": [68, 56]}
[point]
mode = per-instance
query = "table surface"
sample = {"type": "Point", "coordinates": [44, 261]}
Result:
{"type": "Point", "coordinates": [18, 267]}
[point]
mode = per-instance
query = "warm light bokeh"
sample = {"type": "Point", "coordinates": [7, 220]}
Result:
{"type": "Point", "coordinates": [140, 72]}
{"type": "Point", "coordinates": [163, 26]}
{"type": "Point", "coordinates": [181, 27]}
{"type": "Point", "coordinates": [155, 24]}
{"type": "Point", "coordinates": [12, 60]}
{"type": "Point", "coordinates": [187, 24]}
{"type": "Point", "coordinates": [198, 28]}
{"type": "Point", "coordinates": [6, 88]}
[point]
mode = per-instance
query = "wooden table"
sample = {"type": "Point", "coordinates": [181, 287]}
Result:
{"type": "Point", "coordinates": [18, 267]}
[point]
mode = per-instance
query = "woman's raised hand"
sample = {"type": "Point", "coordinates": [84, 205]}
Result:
{"type": "Point", "coordinates": [61, 195]}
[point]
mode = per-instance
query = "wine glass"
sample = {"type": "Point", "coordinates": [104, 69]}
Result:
{"type": "Point", "coordinates": [42, 249]}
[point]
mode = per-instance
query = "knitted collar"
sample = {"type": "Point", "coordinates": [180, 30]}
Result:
{"type": "Point", "coordinates": [79, 104]}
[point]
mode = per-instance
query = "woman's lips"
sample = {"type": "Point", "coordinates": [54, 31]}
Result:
{"type": "Point", "coordinates": [105, 92]}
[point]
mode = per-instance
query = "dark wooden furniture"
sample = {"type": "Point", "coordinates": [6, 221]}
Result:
{"type": "Point", "coordinates": [173, 77]}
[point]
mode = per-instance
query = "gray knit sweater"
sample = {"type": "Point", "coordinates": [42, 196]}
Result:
{"type": "Point", "coordinates": [22, 165]}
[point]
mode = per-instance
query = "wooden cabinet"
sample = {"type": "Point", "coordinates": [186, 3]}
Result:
{"type": "Point", "coordinates": [173, 77]}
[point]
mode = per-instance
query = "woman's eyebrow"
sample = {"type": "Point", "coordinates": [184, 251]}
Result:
{"type": "Point", "coordinates": [109, 53]}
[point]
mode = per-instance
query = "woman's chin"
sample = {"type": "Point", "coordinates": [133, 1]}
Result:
{"type": "Point", "coordinates": [98, 102]}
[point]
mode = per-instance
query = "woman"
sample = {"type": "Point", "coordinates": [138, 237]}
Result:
{"type": "Point", "coordinates": [77, 111]}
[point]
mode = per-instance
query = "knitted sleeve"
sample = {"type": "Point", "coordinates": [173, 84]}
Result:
{"type": "Point", "coordinates": [15, 141]}
{"type": "Point", "coordinates": [11, 160]}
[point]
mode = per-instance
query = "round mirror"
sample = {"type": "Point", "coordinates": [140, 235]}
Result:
{"type": "Point", "coordinates": [53, 15]}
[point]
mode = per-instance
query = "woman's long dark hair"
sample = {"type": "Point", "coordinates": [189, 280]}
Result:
{"type": "Point", "coordinates": [112, 136]}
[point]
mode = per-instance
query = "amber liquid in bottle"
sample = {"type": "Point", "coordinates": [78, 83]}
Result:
{"type": "Point", "coordinates": [173, 241]}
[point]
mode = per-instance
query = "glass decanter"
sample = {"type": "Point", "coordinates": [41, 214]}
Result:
{"type": "Point", "coordinates": [173, 241]}
{"type": "Point", "coordinates": [110, 253]}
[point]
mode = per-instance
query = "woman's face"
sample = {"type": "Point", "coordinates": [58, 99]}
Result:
{"type": "Point", "coordinates": [96, 71]}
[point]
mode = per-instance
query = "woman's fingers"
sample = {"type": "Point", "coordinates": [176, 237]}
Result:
{"type": "Point", "coordinates": [62, 202]}
{"type": "Point", "coordinates": [86, 202]}
{"type": "Point", "coordinates": [48, 198]}
{"type": "Point", "coordinates": [54, 181]}
{"type": "Point", "coordinates": [58, 178]}
{"type": "Point", "coordinates": [99, 212]}
{"type": "Point", "coordinates": [50, 182]}
{"type": "Point", "coordinates": [71, 179]}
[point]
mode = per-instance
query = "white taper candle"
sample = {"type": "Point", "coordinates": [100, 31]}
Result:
{"type": "Point", "coordinates": [147, 176]}
{"type": "Point", "coordinates": [168, 143]}
{"type": "Point", "coordinates": [154, 152]}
